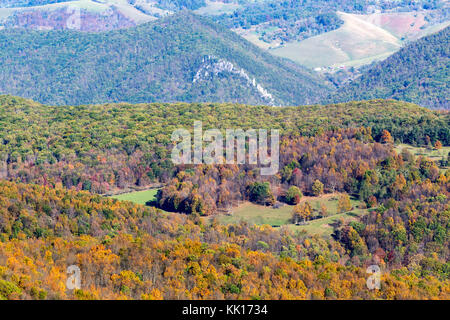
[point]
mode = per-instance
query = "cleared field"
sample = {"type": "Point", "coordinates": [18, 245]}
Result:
{"type": "Point", "coordinates": [217, 8]}
{"type": "Point", "coordinates": [400, 24]}
{"type": "Point", "coordinates": [323, 227]}
{"type": "Point", "coordinates": [361, 40]}
{"type": "Point", "coordinates": [139, 197]}
{"type": "Point", "coordinates": [261, 215]}
{"type": "Point", "coordinates": [433, 154]}
{"type": "Point", "coordinates": [83, 4]}
{"type": "Point", "coordinates": [253, 36]}
{"type": "Point", "coordinates": [356, 40]}
{"type": "Point", "coordinates": [92, 6]}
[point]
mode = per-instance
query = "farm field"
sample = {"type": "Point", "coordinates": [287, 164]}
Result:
{"type": "Point", "coordinates": [362, 39]}
{"type": "Point", "coordinates": [139, 197]}
{"type": "Point", "coordinates": [263, 215]}
{"type": "Point", "coordinates": [253, 36]}
{"type": "Point", "coordinates": [357, 39]}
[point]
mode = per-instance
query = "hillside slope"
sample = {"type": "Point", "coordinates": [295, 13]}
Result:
{"type": "Point", "coordinates": [103, 147]}
{"type": "Point", "coordinates": [351, 44]}
{"type": "Point", "coordinates": [82, 15]}
{"type": "Point", "coordinates": [131, 251]}
{"type": "Point", "coordinates": [325, 34]}
{"type": "Point", "coordinates": [418, 73]}
{"type": "Point", "coordinates": [183, 57]}
{"type": "Point", "coordinates": [334, 34]}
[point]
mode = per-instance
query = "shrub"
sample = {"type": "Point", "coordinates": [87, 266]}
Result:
{"type": "Point", "coordinates": [293, 195]}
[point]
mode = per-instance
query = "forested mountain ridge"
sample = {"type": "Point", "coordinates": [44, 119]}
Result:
{"type": "Point", "coordinates": [104, 147]}
{"type": "Point", "coordinates": [183, 57]}
{"type": "Point", "coordinates": [130, 251]}
{"type": "Point", "coordinates": [357, 207]}
{"type": "Point", "coordinates": [190, 58]}
{"type": "Point", "coordinates": [419, 73]}
{"type": "Point", "coordinates": [322, 34]}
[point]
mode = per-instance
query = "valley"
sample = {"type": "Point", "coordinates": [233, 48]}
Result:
{"type": "Point", "coordinates": [349, 198]}
{"type": "Point", "coordinates": [361, 40]}
{"type": "Point", "coordinates": [418, 73]}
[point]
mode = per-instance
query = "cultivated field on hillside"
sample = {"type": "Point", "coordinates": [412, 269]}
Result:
{"type": "Point", "coordinates": [361, 40]}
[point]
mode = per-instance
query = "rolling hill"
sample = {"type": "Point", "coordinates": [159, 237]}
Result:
{"type": "Point", "coordinates": [362, 39]}
{"type": "Point", "coordinates": [417, 73]}
{"type": "Point", "coordinates": [355, 206]}
{"type": "Point", "coordinates": [183, 57]}
{"type": "Point", "coordinates": [92, 15]}
{"type": "Point", "coordinates": [82, 15]}
{"type": "Point", "coordinates": [336, 34]}
{"type": "Point", "coordinates": [354, 42]}
{"type": "Point", "coordinates": [87, 145]}
{"type": "Point", "coordinates": [324, 34]}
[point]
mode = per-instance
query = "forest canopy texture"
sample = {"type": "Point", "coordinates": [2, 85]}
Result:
{"type": "Point", "coordinates": [57, 161]}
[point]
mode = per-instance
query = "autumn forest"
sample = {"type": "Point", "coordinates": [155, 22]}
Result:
{"type": "Point", "coordinates": [59, 165]}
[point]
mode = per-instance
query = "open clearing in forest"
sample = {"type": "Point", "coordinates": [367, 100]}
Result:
{"type": "Point", "coordinates": [361, 40]}
{"type": "Point", "coordinates": [217, 7]}
{"type": "Point", "coordinates": [139, 197]}
{"type": "Point", "coordinates": [266, 215]}
{"type": "Point", "coordinates": [431, 153]}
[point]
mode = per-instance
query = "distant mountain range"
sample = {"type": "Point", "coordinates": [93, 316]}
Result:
{"type": "Point", "coordinates": [141, 51]}
{"type": "Point", "coordinates": [182, 57]}
{"type": "Point", "coordinates": [419, 73]}
{"type": "Point", "coordinates": [328, 34]}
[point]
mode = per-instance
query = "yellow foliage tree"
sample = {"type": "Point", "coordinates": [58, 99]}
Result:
{"type": "Point", "coordinates": [344, 204]}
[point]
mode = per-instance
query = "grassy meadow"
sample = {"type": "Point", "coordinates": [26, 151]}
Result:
{"type": "Point", "coordinates": [431, 153]}
{"type": "Point", "coordinates": [266, 215]}
{"type": "Point", "coordinates": [139, 197]}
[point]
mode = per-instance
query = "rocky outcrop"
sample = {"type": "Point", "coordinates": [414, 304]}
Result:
{"type": "Point", "coordinates": [213, 66]}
